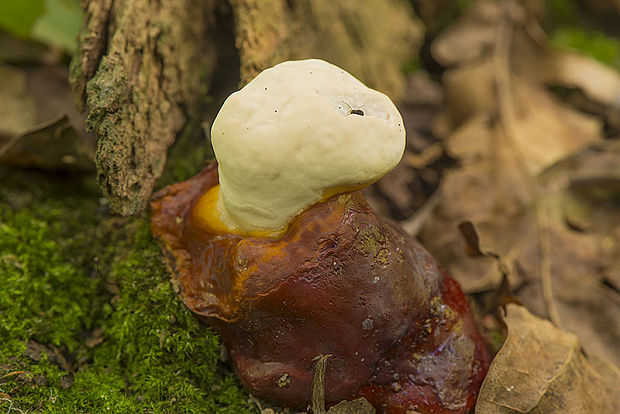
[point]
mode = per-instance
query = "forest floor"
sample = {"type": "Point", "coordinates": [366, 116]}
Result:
{"type": "Point", "coordinates": [507, 135]}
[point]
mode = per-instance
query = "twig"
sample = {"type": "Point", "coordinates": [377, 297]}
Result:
{"type": "Point", "coordinates": [414, 224]}
{"type": "Point", "coordinates": [62, 360]}
{"type": "Point", "coordinates": [11, 408]}
{"type": "Point", "coordinates": [318, 385]}
{"type": "Point", "coordinates": [255, 401]}
{"type": "Point", "coordinates": [542, 217]}
{"type": "Point", "coordinates": [507, 113]}
{"type": "Point", "coordinates": [10, 374]}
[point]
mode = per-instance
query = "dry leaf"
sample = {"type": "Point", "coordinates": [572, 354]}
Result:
{"type": "Point", "coordinates": [470, 36]}
{"type": "Point", "coordinates": [359, 406]}
{"type": "Point", "coordinates": [26, 52]}
{"type": "Point", "coordinates": [17, 110]}
{"type": "Point", "coordinates": [53, 145]}
{"type": "Point", "coordinates": [522, 154]}
{"type": "Point", "coordinates": [40, 127]}
{"type": "Point", "coordinates": [537, 60]}
{"type": "Point", "coordinates": [585, 246]}
{"type": "Point", "coordinates": [489, 190]}
{"type": "Point", "coordinates": [542, 369]}
{"type": "Point", "coordinates": [547, 130]}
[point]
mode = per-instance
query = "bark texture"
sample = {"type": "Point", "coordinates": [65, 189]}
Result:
{"type": "Point", "coordinates": [144, 67]}
{"type": "Point", "coordinates": [141, 68]}
{"type": "Point", "coordinates": [372, 39]}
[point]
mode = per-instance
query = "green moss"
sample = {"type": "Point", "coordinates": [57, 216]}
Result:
{"type": "Point", "coordinates": [190, 153]}
{"type": "Point", "coordinates": [370, 240]}
{"type": "Point", "coordinates": [105, 93]}
{"type": "Point", "coordinates": [86, 292]}
{"type": "Point", "coordinates": [411, 66]}
{"type": "Point", "coordinates": [373, 243]}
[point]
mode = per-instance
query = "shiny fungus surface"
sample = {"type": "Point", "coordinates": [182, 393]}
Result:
{"type": "Point", "coordinates": [341, 281]}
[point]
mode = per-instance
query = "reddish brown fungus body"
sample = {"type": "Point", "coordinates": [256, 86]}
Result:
{"type": "Point", "coordinates": [342, 281]}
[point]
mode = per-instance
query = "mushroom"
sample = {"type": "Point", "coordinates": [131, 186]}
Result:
{"type": "Point", "coordinates": [290, 138]}
{"type": "Point", "coordinates": [276, 248]}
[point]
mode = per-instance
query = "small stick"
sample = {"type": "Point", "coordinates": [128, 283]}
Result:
{"type": "Point", "coordinates": [318, 385]}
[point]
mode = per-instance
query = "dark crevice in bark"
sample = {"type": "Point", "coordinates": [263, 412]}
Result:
{"type": "Point", "coordinates": [226, 76]}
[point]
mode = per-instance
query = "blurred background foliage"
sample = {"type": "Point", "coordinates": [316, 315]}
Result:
{"type": "Point", "coordinates": [56, 24]}
{"type": "Point", "coordinates": [53, 22]}
{"type": "Point", "coordinates": [571, 30]}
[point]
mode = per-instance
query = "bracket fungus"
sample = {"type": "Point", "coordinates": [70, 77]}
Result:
{"type": "Point", "coordinates": [276, 248]}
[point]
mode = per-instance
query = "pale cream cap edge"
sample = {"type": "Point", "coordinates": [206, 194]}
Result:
{"type": "Point", "coordinates": [289, 136]}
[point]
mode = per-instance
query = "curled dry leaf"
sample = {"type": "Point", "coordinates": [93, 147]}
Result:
{"type": "Point", "coordinates": [576, 71]}
{"type": "Point", "coordinates": [542, 369]}
{"type": "Point", "coordinates": [473, 36]}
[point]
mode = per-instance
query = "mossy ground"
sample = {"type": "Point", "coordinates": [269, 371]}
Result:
{"type": "Point", "coordinates": [89, 322]}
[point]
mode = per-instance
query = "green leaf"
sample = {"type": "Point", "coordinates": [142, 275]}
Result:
{"type": "Point", "coordinates": [18, 16]}
{"type": "Point", "coordinates": [59, 24]}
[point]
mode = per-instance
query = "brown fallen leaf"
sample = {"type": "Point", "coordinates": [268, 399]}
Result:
{"type": "Point", "coordinates": [575, 71]}
{"type": "Point", "coordinates": [546, 129]}
{"type": "Point", "coordinates": [470, 36]}
{"type": "Point", "coordinates": [584, 246]}
{"type": "Point", "coordinates": [16, 107]}
{"type": "Point", "coordinates": [14, 50]}
{"type": "Point", "coordinates": [473, 36]}
{"type": "Point", "coordinates": [542, 369]}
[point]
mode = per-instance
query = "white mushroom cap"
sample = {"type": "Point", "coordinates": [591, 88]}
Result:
{"type": "Point", "coordinates": [288, 138]}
